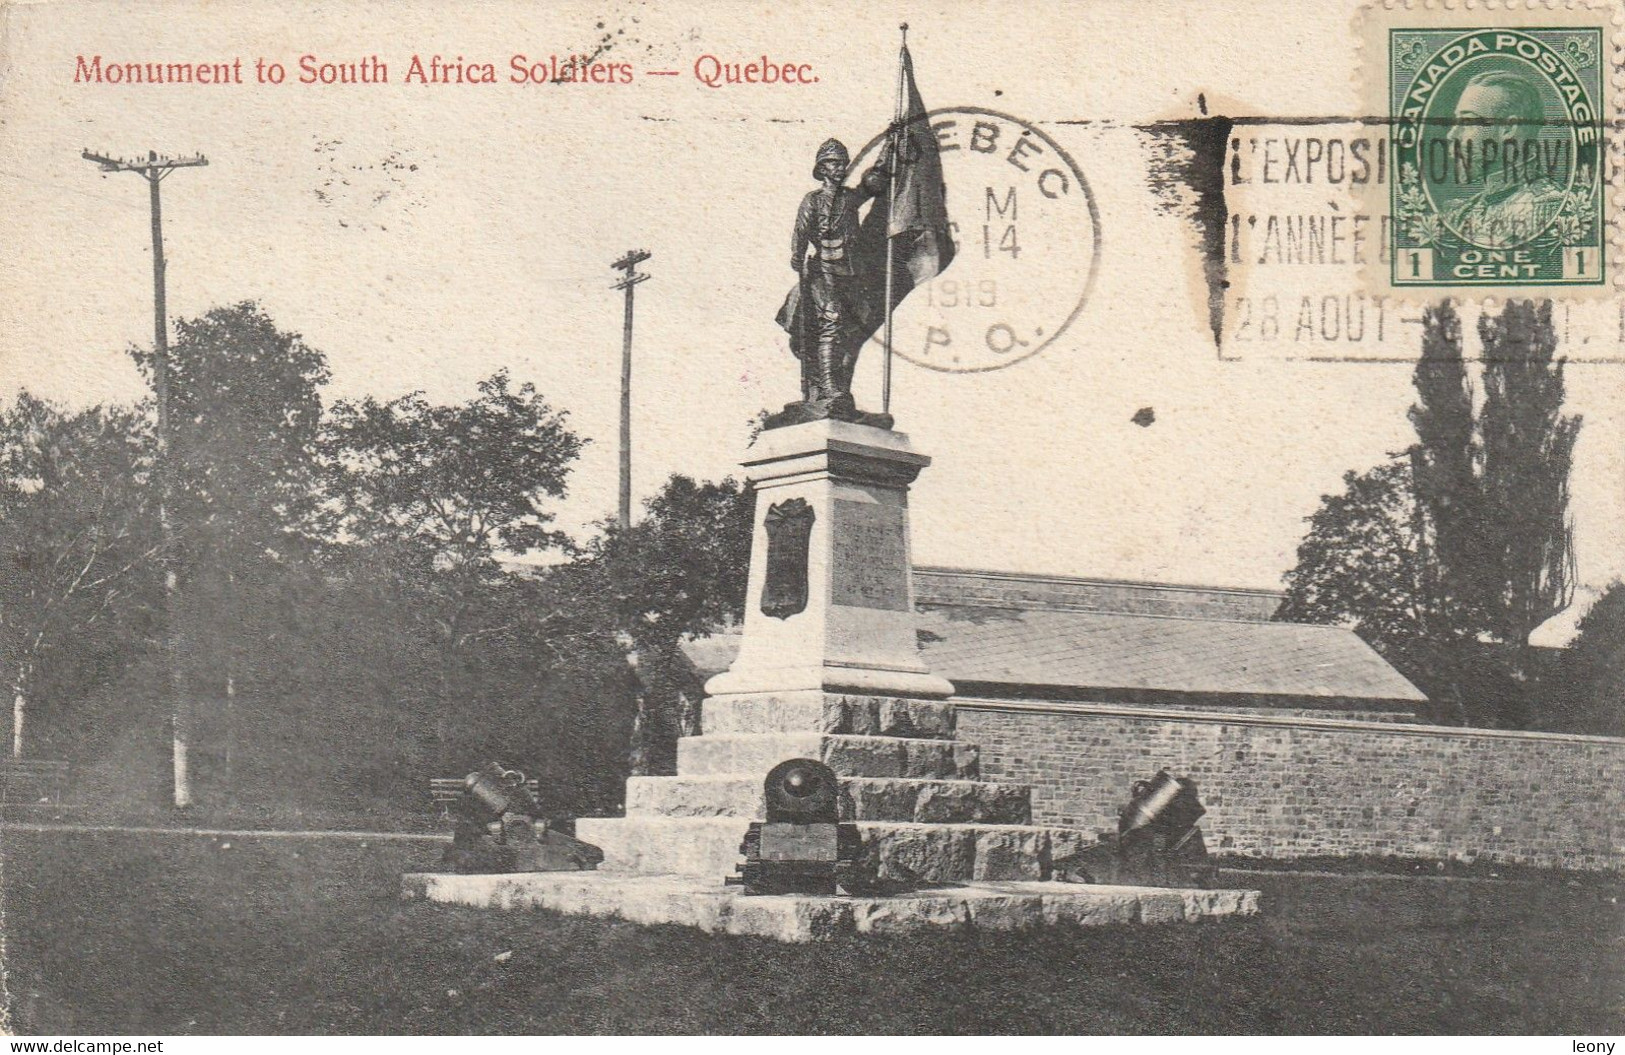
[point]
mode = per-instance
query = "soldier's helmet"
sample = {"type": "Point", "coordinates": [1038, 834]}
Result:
{"type": "Point", "coordinates": [832, 150]}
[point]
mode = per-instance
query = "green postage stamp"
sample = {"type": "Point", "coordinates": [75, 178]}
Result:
{"type": "Point", "coordinates": [1497, 156]}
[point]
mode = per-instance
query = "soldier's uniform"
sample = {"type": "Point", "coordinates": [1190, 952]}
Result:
{"type": "Point", "coordinates": [1499, 217]}
{"type": "Point", "coordinates": [827, 224]}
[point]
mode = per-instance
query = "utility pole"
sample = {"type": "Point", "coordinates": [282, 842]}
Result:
{"type": "Point", "coordinates": [632, 277]}
{"type": "Point", "coordinates": [154, 169]}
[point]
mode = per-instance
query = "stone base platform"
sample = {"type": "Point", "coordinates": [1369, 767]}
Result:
{"type": "Point", "coordinates": [714, 908]}
{"type": "Point", "coordinates": [925, 853]}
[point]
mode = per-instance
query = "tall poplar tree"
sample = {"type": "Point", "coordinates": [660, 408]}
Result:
{"type": "Point", "coordinates": [1528, 451]}
{"type": "Point", "coordinates": [1448, 512]}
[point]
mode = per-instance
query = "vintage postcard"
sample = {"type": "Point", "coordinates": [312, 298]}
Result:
{"type": "Point", "coordinates": [918, 517]}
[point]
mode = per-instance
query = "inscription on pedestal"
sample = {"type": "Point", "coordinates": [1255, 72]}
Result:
{"type": "Point", "coordinates": [871, 556]}
{"type": "Point", "coordinates": [789, 529]}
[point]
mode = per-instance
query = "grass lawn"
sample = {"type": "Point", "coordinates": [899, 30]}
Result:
{"type": "Point", "coordinates": [127, 934]}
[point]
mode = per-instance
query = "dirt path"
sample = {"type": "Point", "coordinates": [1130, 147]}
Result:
{"type": "Point", "coordinates": [234, 833]}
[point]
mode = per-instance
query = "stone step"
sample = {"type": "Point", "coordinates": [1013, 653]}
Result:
{"type": "Point", "coordinates": [935, 853]}
{"type": "Point", "coordinates": [827, 712]}
{"type": "Point", "coordinates": [851, 756]}
{"type": "Point", "coordinates": [861, 799]}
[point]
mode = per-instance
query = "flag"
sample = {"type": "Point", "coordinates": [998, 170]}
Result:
{"type": "Point", "coordinates": [907, 229]}
{"type": "Point", "coordinates": [917, 224]}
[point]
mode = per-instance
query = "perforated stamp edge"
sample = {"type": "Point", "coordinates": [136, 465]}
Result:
{"type": "Point", "coordinates": [1371, 25]}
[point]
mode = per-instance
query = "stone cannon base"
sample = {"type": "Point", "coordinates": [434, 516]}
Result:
{"type": "Point", "coordinates": [708, 905]}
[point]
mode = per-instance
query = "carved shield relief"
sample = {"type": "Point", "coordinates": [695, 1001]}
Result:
{"type": "Point", "coordinates": [789, 533]}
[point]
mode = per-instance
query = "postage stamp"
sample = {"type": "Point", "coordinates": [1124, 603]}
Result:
{"type": "Point", "coordinates": [1496, 142]}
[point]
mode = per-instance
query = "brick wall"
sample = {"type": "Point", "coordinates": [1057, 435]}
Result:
{"type": "Point", "coordinates": [1299, 787]}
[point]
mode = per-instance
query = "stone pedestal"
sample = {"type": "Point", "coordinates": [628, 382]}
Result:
{"type": "Point", "coordinates": [830, 606]}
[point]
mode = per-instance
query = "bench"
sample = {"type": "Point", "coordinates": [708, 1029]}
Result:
{"type": "Point", "coordinates": [445, 791]}
{"type": "Point", "coordinates": [32, 780]}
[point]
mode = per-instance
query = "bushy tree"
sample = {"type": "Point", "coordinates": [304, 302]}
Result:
{"type": "Point", "coordinates": [681, 568]}
{"type": "Point", "coordinates": [1363, 565]}
{"type": "Point", "coordinates": [441, 492]}
{"type": "Point", "coordinates": [1595, 667]}
{"type": "Point", "coordinates": [1361, 562]}
{"type": "Point", "coordinates": [453, 482]}
{"type": "Point", "coordinates": [78, 548]}
{"type": "Point", "coordinates": [244, 407]}
{"type": "Point", "coordinates": [678, 571]}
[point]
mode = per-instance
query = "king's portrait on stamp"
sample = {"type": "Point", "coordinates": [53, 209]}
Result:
{"type": "Point", "coordinates": [1497, 147]}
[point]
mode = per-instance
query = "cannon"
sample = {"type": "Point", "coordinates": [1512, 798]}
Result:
{"type": "Point", "coordinates": [1157, 841]}
{"type": "Point", "coordinates": [802, 847]}
{"type": "Point", "coordinates": [500, 828]}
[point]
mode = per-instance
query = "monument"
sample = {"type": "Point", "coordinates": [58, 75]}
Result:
{"type": "Point", "coordinates": [829, 672]}
{"type": "Point", "coordinates": [830, 606]}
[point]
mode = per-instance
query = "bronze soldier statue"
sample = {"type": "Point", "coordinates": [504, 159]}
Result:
{"type": "Point", "coordinates": [837, 304]}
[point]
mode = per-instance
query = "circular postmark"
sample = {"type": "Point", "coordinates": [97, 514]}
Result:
{"type": "Point", "coordinates": [1027, 246]}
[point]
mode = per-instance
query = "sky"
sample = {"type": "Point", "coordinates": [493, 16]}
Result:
{"type": "Point", "coordinates": [424, 236]}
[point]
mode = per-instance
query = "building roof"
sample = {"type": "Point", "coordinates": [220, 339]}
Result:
{"type": "Point", "coordinates": [1059, 650]}
{"type": "Point", "coordinates": [1002, 589]}
{"type": "Point", "coordinates": [996, 634]}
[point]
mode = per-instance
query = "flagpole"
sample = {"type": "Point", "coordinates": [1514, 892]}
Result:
{"type": "Point", "coordinates": [891, 204]}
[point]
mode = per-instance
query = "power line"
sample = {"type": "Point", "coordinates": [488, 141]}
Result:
{"type": "Point", "coordinates": [54, 185]}
{"type": "Point", "coordinates": [154, 170]}
{"type": "Point", "coordinates": [631, 277]}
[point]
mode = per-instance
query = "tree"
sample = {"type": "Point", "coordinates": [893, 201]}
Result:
{"type": "Point", "coordinates": [457, 483]}
{"type": "Point", "coordinates": [1448, 563]}
{"type": "Point", "coordinates": [80, 545]}
{"type": "Point", "coordinates": [244, 412]}
{"type": "Point", "coordinates": [1444, 474]}
{"type": "Point", "coordinates": [1363, 565]}
{"type": "Point", "coordinates": [441, 492]}
{"type": "Point", "coordinates": [1453, 584]}
{"type": "Point", "coordinates": [1595, 667]}
{"type": "Point", "coordinates": [1528, 445]}
{"type": "Point", "coordinates": [680, 570]}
